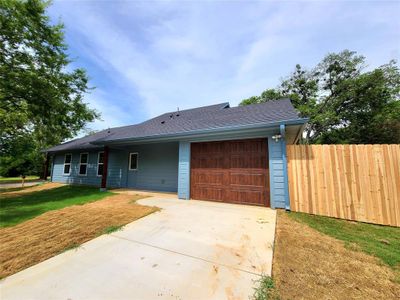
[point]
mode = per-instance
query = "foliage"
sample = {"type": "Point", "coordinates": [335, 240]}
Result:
{"type": "Point", "coordinates": [344, 104]}
{"type": "Point", "coordinates": [265, 289]}
{"type": "Point", "coordinates": [41, 96]}
{"type": "Point", "coordinates": [380, 241]}
{"type": "Point", "coordinates": [72, 246]}
{"type": "Point", "coordinates": [18, 179]}
{"type": "Point", "coordinates": [17, 209]}
{"type": "Point", "coordinates": [112, 228]}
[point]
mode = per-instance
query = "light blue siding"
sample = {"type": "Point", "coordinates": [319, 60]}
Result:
{"type": "Point", "coordinates": [277, 173]}
{"type": "Point", "coordinates": [166, 166]}
{"type": "Point", "coordinates": [90, 179]}
{"type": "Point", "coordinates": [117, 168]}
{"type": "Point", "coordinates": [184, 171]}
{"type": "Point", "coordinates": [157, 167]}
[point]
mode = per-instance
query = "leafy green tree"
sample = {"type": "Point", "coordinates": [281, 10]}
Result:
{"type": "Point", "coordinates": [41, 96]}
{"type": "Point", "coordinates": [344, 104]}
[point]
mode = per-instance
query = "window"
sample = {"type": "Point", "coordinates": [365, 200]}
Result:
{"type": "Point", "coordinates": [100, 163]}
{"type": "Point", "coordinates": [83, 162]}
{"type": "Point", "coordinates": [133, 161]}
{"type": "Point", "coordinates": [67, 164]}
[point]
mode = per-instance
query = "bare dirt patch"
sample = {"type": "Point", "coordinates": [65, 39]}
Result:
{"type": "Point", "coordinates": [55, 231]}
{"type": "Point", "coordinates": [311, 265]}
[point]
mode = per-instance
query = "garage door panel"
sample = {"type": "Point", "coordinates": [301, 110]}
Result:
{"type": "Point", "coordinates": [247, 162]}
{"type": "Point", "coordinates": [209, 177]}
{"type": "Point", "coordinates": [230, 171]}
{"type": "Point", "coordinates": [208, 162]}
{"type": "Point", "coordinates": [247, 197]}
{"type": "Point", "coordinates": [211, 193]}
{"type": "Point", "coordinates": [248, 180]}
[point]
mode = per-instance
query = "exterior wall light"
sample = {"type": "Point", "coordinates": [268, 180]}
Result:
{"type": "Point", "coordinates": [276, 137]}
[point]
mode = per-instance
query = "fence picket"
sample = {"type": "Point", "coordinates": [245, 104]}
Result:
{"type": "Point", "coordinates": [355, 182]}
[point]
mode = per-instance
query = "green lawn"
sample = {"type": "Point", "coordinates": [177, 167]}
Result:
{"type": "Point", "coordinates": [14, 210]}
{"type": "Point", "coordinates": [17, 179]}
{"type": "Point", "coordinates": [380, 241]}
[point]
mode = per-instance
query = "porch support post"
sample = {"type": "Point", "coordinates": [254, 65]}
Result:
{"type": "Point", "coordinates": [278, 169]}
{"type": "Point", "coordinates": [184, 171]}
{"type": "Point", "coordinates": [105, 168]}
{"type": "Point", "coordinates": [285, 170]}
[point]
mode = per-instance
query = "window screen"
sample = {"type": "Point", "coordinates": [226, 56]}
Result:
{"type": "Point", "coordinates": [133, 161]}
{"type": "Point", "coordinates": [83, 163]}
{"type": "Point", "coordinates": [100, 164]}
{"type": "Point", "coordinates": [67, 164]}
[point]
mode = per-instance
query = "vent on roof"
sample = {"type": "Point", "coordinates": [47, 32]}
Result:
{"type": "Point", "coordinates": [162, 122]}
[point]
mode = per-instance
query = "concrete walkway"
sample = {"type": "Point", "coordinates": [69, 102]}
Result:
{"type": "Point", "coordinates": [188, 250]}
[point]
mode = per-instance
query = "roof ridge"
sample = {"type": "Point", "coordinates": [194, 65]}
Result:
{"type": "Point", "coordinates": [222, 104]}
{"type": "Point", "coordinates": [192, 120]}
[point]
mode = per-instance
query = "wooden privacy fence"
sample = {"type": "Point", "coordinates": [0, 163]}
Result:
{"type": "Point", "coordinates": [354, 182]}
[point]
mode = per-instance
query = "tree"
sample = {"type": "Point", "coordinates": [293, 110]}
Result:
{"type": "Point", "coordinates": [344, 104]}
{"type": "Point", "coordinates": [41, 102]}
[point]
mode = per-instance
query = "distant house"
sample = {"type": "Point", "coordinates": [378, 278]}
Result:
{"type": "Point", "coordinates": [218, 153]}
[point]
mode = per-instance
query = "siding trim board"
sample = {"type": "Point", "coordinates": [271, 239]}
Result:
{"type": "Point", "coordinates": [278, 176]}
{"type": "Point", "coordinates": [184, 171]}
{"type": "Point", "coordinates": [284, 163]}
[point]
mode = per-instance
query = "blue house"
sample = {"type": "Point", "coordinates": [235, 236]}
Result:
{"type": "Point", "coordinates": [217, 153]}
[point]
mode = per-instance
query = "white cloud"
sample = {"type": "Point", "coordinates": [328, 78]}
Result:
{"type": "Point", "coordinates": [151, 58]}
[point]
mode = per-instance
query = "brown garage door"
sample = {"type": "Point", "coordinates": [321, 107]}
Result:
{"type": "Point", "coordinates": [230, 171]}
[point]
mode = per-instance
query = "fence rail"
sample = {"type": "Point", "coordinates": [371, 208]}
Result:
{"type": "Point", "coordinates": [354, 182]}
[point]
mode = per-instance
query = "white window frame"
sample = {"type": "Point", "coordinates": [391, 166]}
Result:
{"type": "Point", "coordinates": [137, 161]}
{"type": "Point", "coordinates": [98, 163]}
{"type": "Point", "coordinates": [70, 164]}
{"type": "Point", "coordinates": [87, 163]}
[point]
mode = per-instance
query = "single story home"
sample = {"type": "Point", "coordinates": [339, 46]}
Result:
{"type": "Point", "coordinates": [217, 153]}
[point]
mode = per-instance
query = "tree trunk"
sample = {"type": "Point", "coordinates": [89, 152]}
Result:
{"type": "Point", "coordinates": [45, 168]}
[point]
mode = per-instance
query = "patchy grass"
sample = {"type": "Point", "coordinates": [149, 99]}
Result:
{"type": "Point", "coordinates": [18, 191]}
{"type": "Point", "coordinates": [380, 241]}
{"type": "Point", "coordinates": [112, 228]}
{"type": "Point", "coordinates": [14, 189]}
{"type": "Point", "coordinates": [71, 247]}
{"type": "Point", "coordinates": [18, 207]}
{"type": "Point", "coordinates": [18, 179]}
{"type": "Point", "coordinates": [56, 231]}
{"type": "Point", "coordinates": [309, 264]}
{"type": "Point", "coordinates": [265, 289]}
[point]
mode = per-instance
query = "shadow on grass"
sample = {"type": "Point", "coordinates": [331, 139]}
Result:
{"type": "Point", "coordinates": [14, 210]}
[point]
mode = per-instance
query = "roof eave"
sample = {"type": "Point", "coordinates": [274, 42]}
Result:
{"type": "Point", "coordinates": [299, 121]}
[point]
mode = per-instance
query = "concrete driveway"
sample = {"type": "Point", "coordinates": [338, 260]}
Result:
{"type": "Point", "coordinates": [188, 250]}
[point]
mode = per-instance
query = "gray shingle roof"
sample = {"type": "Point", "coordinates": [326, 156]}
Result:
{"type": "Point", "coordinates": [189, 121]}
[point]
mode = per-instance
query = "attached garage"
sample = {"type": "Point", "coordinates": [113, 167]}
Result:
{"type": "Point", "coordinates": [230, 171]}
{"type": "Point", "coordinates": [216, 153]}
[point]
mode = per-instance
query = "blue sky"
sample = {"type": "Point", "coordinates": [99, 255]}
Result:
{"type": "Point", "coordinates": [146, 58]}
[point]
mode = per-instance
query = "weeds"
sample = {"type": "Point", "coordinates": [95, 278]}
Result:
{"type": "Point", "coordinates": [265, 289]}
{"type": "Point", "coordinates": [112, 228]}
{"type": "Point", "coordinates": [71, 247]}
